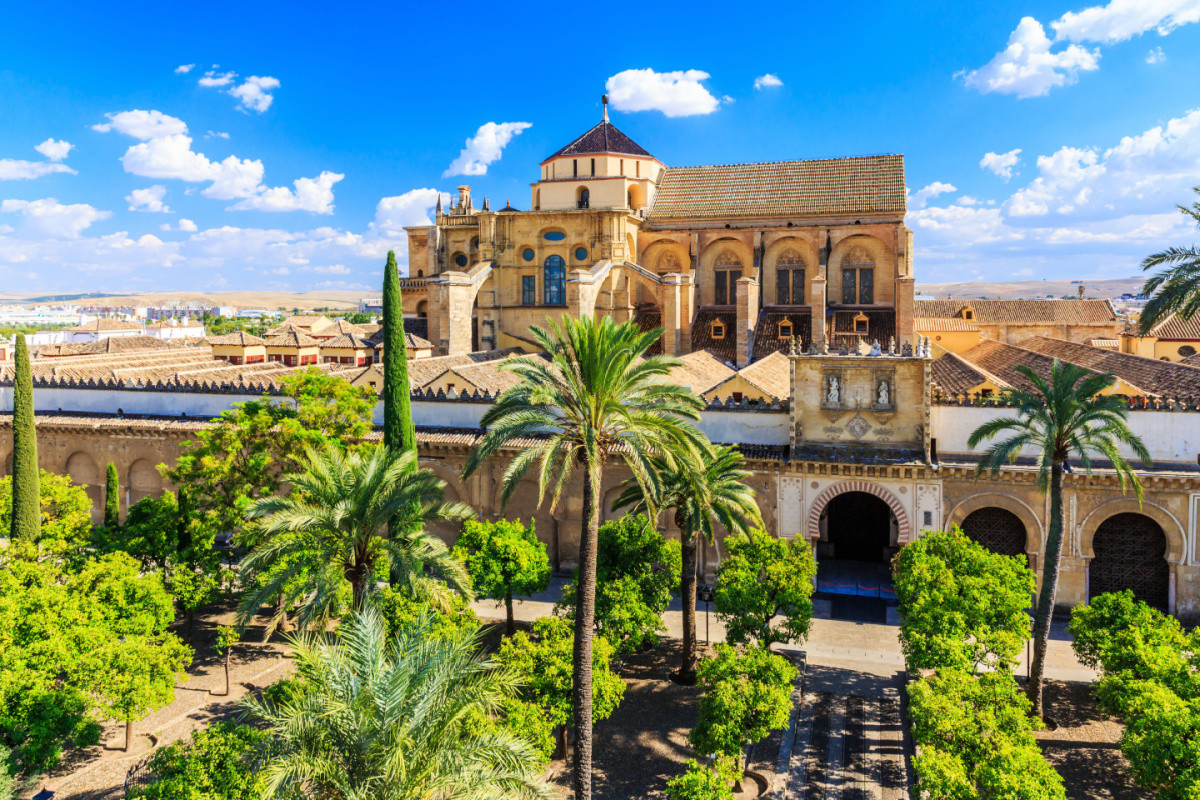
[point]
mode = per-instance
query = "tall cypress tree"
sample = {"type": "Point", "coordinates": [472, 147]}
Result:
{"type": "Point", "coordinates": [399, 432]}
{"type": "Point", "coordinates": [112, 497]}
{"type": "Point", "coordinates": [27, 512]}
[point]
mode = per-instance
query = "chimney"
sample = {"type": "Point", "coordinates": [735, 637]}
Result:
{"type": "Point", "coordinates": [1081, 291]}
{"type": "Point", "coordinates": [604, 102]}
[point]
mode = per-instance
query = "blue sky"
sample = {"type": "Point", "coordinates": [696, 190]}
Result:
{"type": "Point", "coordinates": [286, 145]}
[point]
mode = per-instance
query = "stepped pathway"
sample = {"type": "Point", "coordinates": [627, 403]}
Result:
{"type": "Point", "coordinates": [846, 741]}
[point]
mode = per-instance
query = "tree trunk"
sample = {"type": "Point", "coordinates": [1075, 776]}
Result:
{"type": "Point", "coordinates": [512, 626]}
{"type": "Point", "coordinates": [360, 576]}
{"type": "Point", "coordinates": [585, 613]}
{"type": "Point", "coordinates": [1045, 606]}
{"type": "Point", "coordinates": [687, 670]}
{"type": "Point", "coordinates": [227, 649]}
{"type": "Point", "coordinates": [191, 617]}
{"type": "Point", "coordinates": [562, 742]}
{"type": "Point", "coordinates": [128, 733]}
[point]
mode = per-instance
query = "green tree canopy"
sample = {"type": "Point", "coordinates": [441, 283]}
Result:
{"type": "Point", "coordinates": [764, 589]}
{"type": "Point", "coordinates": [544, 664]}
{"type": "Point", "coordinates": [57, 628]}
{"type": "Point", "coordinates": [23, 506]}
{"type": "Point", "coordinates": [214, 763]}
{"type": "Point", "coordinates": [962, 605]}
{"type": "Point", "coordinates": [66, 519]}
{"type": "Point", "coordinates": [504, 559]}
{"type": "Point", "coordinates": [746, 696]}
{"type": "Point", "coordinates": [976, 735]}
{"type": "Point", "coordinates": [136, 675]}
{"type": "Point", "coordinates": [401, 611]}
{"type": "Point", "coordinates": [390, 718]}
{"type": "Point", "coordinates": [637, 570]}
{"type": "Point", "coordinates": [112, 496]}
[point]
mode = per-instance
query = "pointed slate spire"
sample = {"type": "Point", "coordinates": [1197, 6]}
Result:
{"type": "Point", "coordinates": [486, 207]}
{"type": "Point", "coordinates": [439, 203]}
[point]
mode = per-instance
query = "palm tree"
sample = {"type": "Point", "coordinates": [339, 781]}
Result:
{"type": "Point", "coordinates": [1067, 416]}
{"type": "Point", "coordinates": [706, 490]}
{"type": "Point", "coordinates": [593, 398]}
{"type": "Point", "coordinates": [331, 528]}
{"type": "Point", "coordinates": [380, 720]}
{"type": "Point", "coordinates": [1175, 290]}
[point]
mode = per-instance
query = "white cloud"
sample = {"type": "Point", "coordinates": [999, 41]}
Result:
{"type": "Point", "coordinates": [676, 94]}
{"type": "Point", "coordinates": [923, 196]}
{"type": "Point", "coordinates": [311, 194]}
{"type": "Point", "coordinates": [214, 78]}
{"type": "Point", "coordinates": [1001, 164]}
{"type": "Point", "coordinates": [484, 148]}
{"type": "Point", "coordinates": [12, 169]}
{"type": "Point", "coordinates": [150, 199]}
{"type": "Point", "coordinates": [50, 218]}
{"type": "Point", "coordinates": [1156, 56]}
{"type": "Point", "coordinates": [766, 81]}
{"type": "Point", "coordinates": [1023, 273]}
{"type": "Point", "coordinates": [185, 225]}
{"type": "Point", "coordinates": [184, 69]}
{"type": "Point", "coordinates": [1089, 211]}
{"type": "Point", "coordinates": [1027, 67]}
{"type": "Point", "coordinates": [394, 214]}
{"type": "Point", "coordinates": [332, 269]}
{"type": "Point", "coordinates": [55, 151]}
{"type": "Point", "coordinates": [216, 135]}
{"type": "Point", "coordinates": [255, 93]}
{"type": "Point", "coordinates": [166, 153]}
{"type": "Point", "coordinates": [1124, 19]}
{"type": "Point", "coordinates": [142, 125]}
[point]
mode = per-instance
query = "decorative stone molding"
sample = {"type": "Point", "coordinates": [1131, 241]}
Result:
{"type": "Point", "coordinates": [830, 492]}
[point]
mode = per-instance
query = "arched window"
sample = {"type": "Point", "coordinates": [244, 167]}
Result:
{"type": "Point", "coordinates": [789, 278]}
{"type": "Point", "coordinates": [629, 199]}
{"type": "Point", "coordinates": [585, 197]}
{"type": "Point", "coordinates": [554, 281]}
{"type": "Point", "coordinates": [997, 529]}
{"type": "Point", "coordinates": [1187, 351]}
{"type": "Point", "coordinates": [668, 262]}
{"type": "Point", "coordinates": [858, 276]}
{"type": "Point", "coordinates": [728, 267]}
{"type": "Point", "coordinates": [1130, 553]}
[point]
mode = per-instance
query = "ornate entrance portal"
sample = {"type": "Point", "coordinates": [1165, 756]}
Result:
{"type": "Point", "coordinates": [853, 555]}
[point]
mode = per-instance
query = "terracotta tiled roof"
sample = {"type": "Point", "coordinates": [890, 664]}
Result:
{"type": "Point", "coordinates": [342, 326]}
{"type": "Point", "coordinates": [1001, 360]}
{"type": "Point", "coordinates": [772, 374]}
{"type": "Point", "coordinates": [943, 325]}
{"type": "Point", "coordinates": [371, 328]}
{"type": "Point", "coordinates": [347, 341]}
{"type": "Point", "coordinates": [168, 324]}
{"type": "Point", "coordinates": [1175, 328]}
{"type": "Point", "coordinates": [701, 370]}
{"type": "Point", "coordinates": [647, 318]}
{"type": "Point", "coordinates": [702, 338]}
{"type": "Point", "coordinates": [236, 339]}
{"type": "Point", "coordinates": [1105, 344]}
{"type": "Point", "coordinates": [603, 138]}
{"type": "Point", "coordinates": [286, 327]}
{"type": "Point", "coordinates": [292, 339]}
{"type": "Point", "coordinates": [868, 184]}
{"type": "Point", "coordinates": [1192, 361]}
{"type": "Point", "coordinates": [954, 376]}
{"type": "Point", "coordinates": [411, 340]}
{"type": "Point", "coordinates": [109, 344]}
{"type": "Point", "coordinates": [422, 371]}
{"type": "Point", "coordinates": [1159, 378]}
{"type": "Point", "coordinates": [417, 325]}
{"type": "Point", "coordinates": [312, 321]}
{"type": "Point", "coordinates": [993, 312]}
{"type": "Point", "coordinates": [105, 324]}
{"type": "Point", "coordinates": [766, 334]}
{"type": "Point", "coordinates": [881, 327]}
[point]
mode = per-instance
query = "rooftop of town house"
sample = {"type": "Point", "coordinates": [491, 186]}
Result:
{"type": "Point", "coordinates": [1024, 312]}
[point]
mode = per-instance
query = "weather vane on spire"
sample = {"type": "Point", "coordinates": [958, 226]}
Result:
{"type": "Point", "coordinates": [604, 101]}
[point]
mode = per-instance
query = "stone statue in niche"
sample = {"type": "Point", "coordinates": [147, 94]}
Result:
{"type": "Point", "coordinates": [833, 396]}
{"type": "Point", "coordinates": [884, 396]}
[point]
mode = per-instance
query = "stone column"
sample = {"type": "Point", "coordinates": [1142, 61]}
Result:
{"type": "Point", "coordinates": [672, 302]}
{"type": "Point", "coordinates": [905, 303]}
{"type": "Point", "coordinates": [747, 319]}
{"type": "Point", "coordinates": [816, 301]}
{"type": "Point", "coordinates": [455, 329]}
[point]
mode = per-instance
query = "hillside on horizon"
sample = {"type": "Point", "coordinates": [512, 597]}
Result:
{"type": "Point", "coordinates": [1017, 290]}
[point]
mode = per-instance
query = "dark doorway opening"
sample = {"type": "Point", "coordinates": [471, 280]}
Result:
{"type": "Point", "coordinates": [1131, 553]}
{"type": "Point", "coordinates": [853, 561]}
